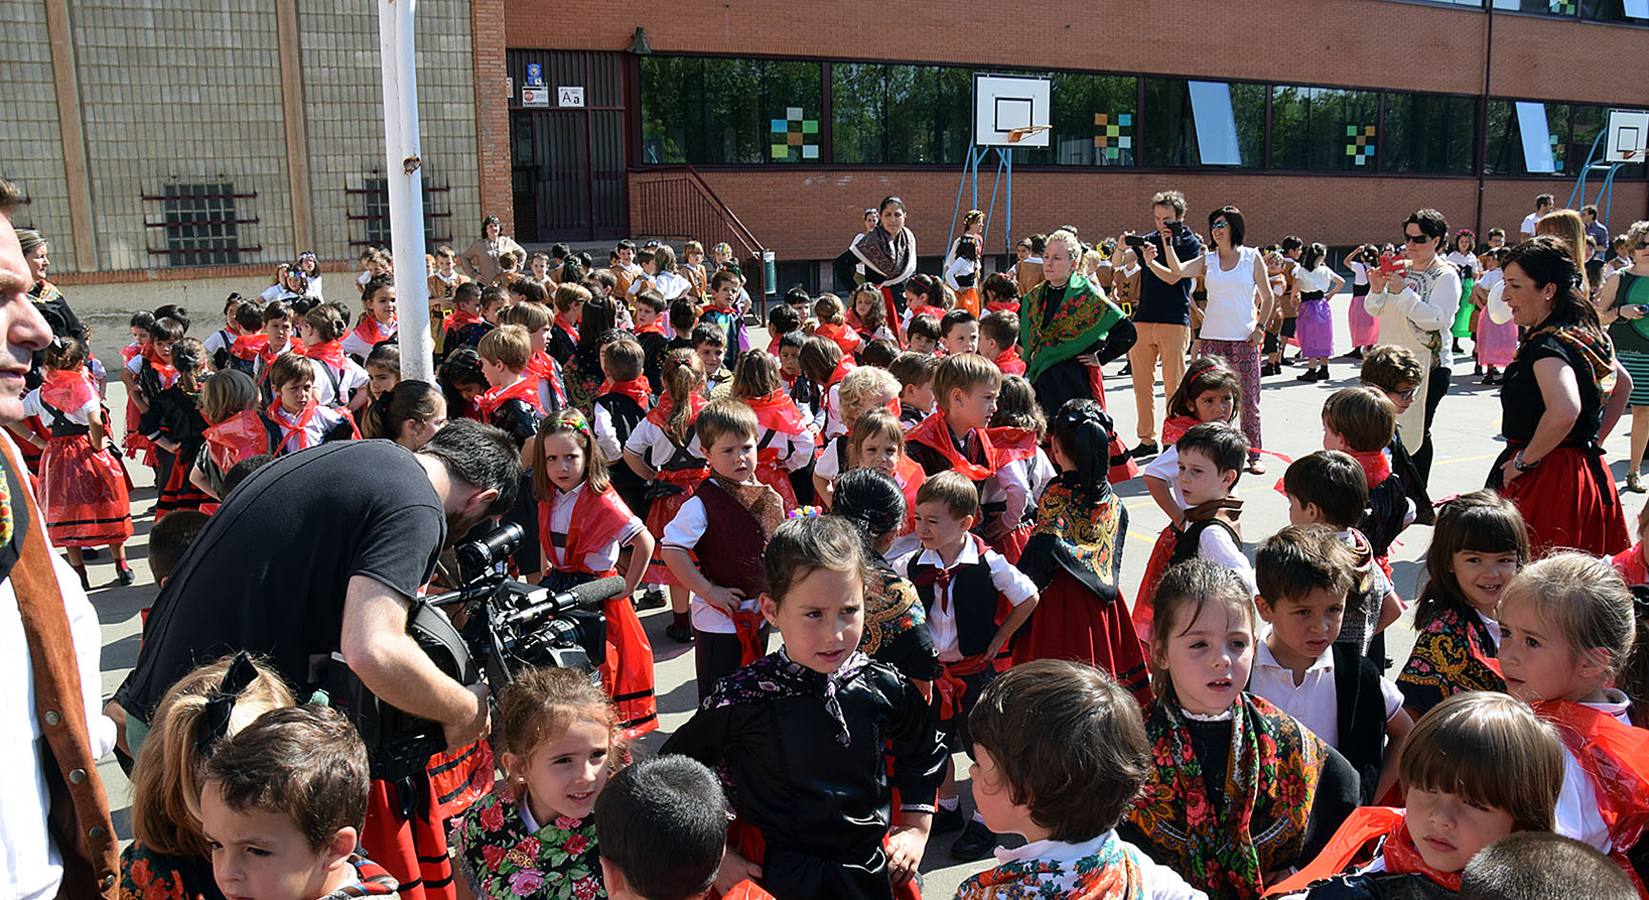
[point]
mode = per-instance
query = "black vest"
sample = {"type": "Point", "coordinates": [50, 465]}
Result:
{"type": "Point", "coordinates": [1360, 712]}
{"type": "Point", "coordinates": [625, 412]}
{"type": "Point", "coordinates": [973, 599]}
{"type": "Point", "coordinates": [1186, 547]}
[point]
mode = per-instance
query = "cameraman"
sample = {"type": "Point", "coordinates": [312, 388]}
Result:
{"type": "Point", "coordinates": [321, 552]}
{"type": "Point", "coordinates": [1162, 316]}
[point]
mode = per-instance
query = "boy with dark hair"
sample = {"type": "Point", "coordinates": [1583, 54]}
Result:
{"type": "Point", "coordinates": [721, 310]}
{"type": "Point", "coordinates": [295, 421]}
{"type": "Point", "coordinates": [649, 311]}
{"type": "Point", "coordinates": [283, 802]}
{"type": "Point", "coordinates": [709, 342]}
{"type": "Point", "coordinates": [1361, 422]}
{"type": "Point", "coordinates": [568, 300]}
{"type": "Point", "coordinates": [1066, 805]}
{"type": "Point", "coordinates": [1396, 372]}
{"type": "Point", "coordinates": [962, 583]}
{"type": "Point", "coordinates": [915, 374]}
{"type": "Point", "coordinates": [922, 334]}
{"type": "Point", "coordinates": [999, 342]}
{"type": "Point", "coordinates": [879, 353]}
{"type": "Point", "coordinates": [465, 326]}
{"type": "Point", "coordinates": [714, 544]}
{"type": "Point", "coordinates": [788, 348]}
{"type": "Point", "coordinates": [684, 314]}
{"type": "Point", "coordinates": [663, 828]}
{"type": "Point", "coordinates": [1328, 488]}
{"type": "Point", "coordinates": [168, 540]}
{"type": "Point", "coordinates": [1207, 479]}
{"type": "Point", "coordinates": [1538, 865]}
{"type": "Point", "coordinates": [621, 403]}
{"type": "Point", "coordinates": [959, 332]}
{"type": "Point", "coordinates": [1304, 575]}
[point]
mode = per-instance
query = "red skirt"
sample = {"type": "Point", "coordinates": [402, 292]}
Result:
{"type": "Point", "coordinates": [411, 848]}
{"type": "Point", "coordinates": [179, 492]}
{"type": "Point", "coordinates": [1071, 623]}
{"type": "Point", "coordinates": [136, 442]}
{"type": "Point", "coordinates": [459, 779]}
{"type": "Point", "coordinates": [1012, 544]}
{"type": "Point", "coordinates": [31, 453]}
{"type": "Point", "coordinates": [1568, 501]}
{"type": "Point", "coordinates": [1161, 553]}
{"type": "Point", "coordinates": [83, 493]}
{"type": "Point", "coordinates": [627, 670]}
{"type": "Point", "coordinates": [663, 509]}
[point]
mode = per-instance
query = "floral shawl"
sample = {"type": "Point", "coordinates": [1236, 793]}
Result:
{"type": "Point", "coordinates": [892, 607]}
{"type": "Point", "coordinates": [1270, 785]}
{"type": "Point", "coordinates": [1452, 654]}
{"type": "Point", "coordinates": [891, 256]}
{"type": "Point", "coordinates": [1114, 871]}
{"type": "Point", "coordinates": [1589, 345]}
{"type": "Point", "coordinates": [1083, 319]}
{"type": "Point", "coordinates": [502, 860]}
{"type": "Point", "coordinates": [1084, 535]}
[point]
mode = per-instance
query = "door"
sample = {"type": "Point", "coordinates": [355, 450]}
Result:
{"type": "Point", "coordinates": [568, 162]}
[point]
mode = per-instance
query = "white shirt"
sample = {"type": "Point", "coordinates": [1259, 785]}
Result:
{"type": "Point", "coordinates": [355, 345]}
{"type": "Point", "coordinates": [829, 464]}
{"type": "Point", "coordinates": [1577, 814]}
{"type": "Point", "coordinates": [606, 435]}
{"type": "Point", "coordinates": [1313, 700]}
{"type": "Point", "coordinates": [1493, 627]}
{"type": "Point", "coordinates": [1158, 882]}
{"type": "Point", "coordinates": [649, 442]}
{"type": "Point", "coordinates": [351, 379]}
{"type": "Point", "coordinates": [795, 450]}
{"type": "Point", "coordinates": [960, 266]}
{"type": "Point", "coordinates": [668, 284]}
{"type": "Point", "coordinates": [1359, 272]}
{"type": "Point", "coordinates": [1019, 484]}
{"type": "Point", "coordinates": [1215, 545]}
{"type": "Point", "coordinates": [30, 864]}
{"type": "Point", "coordinates": [319, 426]}
{"type": "Point", "coordinates": [218, 340]}
{"type": "Point", "coordinates": [1491, 278]}
{"type": "Point", "coordinates": [1012, 583]}
{"type": "Point", "coordinates": [598, 560]}
{"type": "Point", "coordinates": [1230, 314]}
{"type": "Point", "coordinates": [1166, 468]}
{"type": "Point", "coordinates": [1318, 279]}
{"type": "Point", "coordinates": [33, 406]}
{"type": "Point", "coordinates": [683, 533]}
{"type": "Point", "coordinates": [1466, 262]}
{"type": "Point", "coordinates": [1528, 224]}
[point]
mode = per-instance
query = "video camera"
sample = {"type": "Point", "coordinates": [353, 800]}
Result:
{"type": "Point", "coordinates": [505, 626]}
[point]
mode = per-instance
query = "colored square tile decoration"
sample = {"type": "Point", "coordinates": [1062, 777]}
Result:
{"type": "Point", "coordinates": [793, 137]}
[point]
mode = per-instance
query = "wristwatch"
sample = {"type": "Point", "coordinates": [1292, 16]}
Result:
{"type": "Point", "coordinates": [1521, 465]}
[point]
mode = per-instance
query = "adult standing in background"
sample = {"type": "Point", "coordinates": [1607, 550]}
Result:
{"type": "Point", "coordinates": [481, 257]}
{"type": "Point", "coordinates": [1623, 308]}
{"type": "Point", "coordinates": [48, 300]}
{"type": "Point", "coordinates": [1162, 317]}
{"type": "Point", "coordinates": [848, 271]}
{"type": "Point", "coordinates": [888, 252]}
{"type": "Point", "coordinates": [1234, 275]}
{"type": "Point", "coordinates": [1416, 307]}
{"type": "Point", "coordinates": [1069, 330]}
{"type": "Point", "coordinates": [1542, 205]}
{"type": "Point", "coordinates": [1595, 229]}
{"type": "Point", "coordinates": [56, 838]}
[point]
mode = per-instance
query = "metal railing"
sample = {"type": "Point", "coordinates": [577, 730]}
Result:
{"type": "Point", "coordinates": [675, 203]}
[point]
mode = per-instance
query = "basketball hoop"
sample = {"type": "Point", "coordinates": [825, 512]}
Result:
{"type": "Point", "coordinates": [1018, 134]}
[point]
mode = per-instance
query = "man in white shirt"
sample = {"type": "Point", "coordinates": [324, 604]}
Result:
{"type": "Point", "coordinates": [56, 838]}
{"type": "Point", "coordinates": [1542, 206]}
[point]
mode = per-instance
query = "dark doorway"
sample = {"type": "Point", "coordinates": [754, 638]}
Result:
{"type": "Point", "coordinates": [568, 164]}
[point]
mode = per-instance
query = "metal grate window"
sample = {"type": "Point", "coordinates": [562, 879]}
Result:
{"type": "Point", "coordinates": [202, 228]}
{"type": "Point", "coordinates": [374, 214]}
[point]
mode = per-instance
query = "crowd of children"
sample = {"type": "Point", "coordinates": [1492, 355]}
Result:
{"type": "Point", "coordinates": [941, 557]}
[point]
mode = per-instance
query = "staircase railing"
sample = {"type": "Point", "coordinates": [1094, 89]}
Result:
{"type": "Point", "coordinates": [676, 203]}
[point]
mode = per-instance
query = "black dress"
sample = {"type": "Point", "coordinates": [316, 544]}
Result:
{"type": "Point", "coordinates": [813, 784]}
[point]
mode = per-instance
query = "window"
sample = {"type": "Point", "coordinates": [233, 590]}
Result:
{"type": "Point", "coordinates": [201, 224]}
{"type": "Point", "coordinates": [1428, 133]}
{"type": "Point", "coordinates": [374, 195]}
{"type": "Point", "coordinates": [717, 110]}
{"type": "Point", "coordinates": [1633, 11]}
{"type": "Point", "coordinates": [1527, 138]}
{"type": "Point", "coordinates": [1323, 129]}
{"type": "Point", "coordinates": [1094, 122]}
{"type": "Point", "coordinates": [901, 115]}
{"type": "Point", "coordinates": [1187, 123]}
{"type": "Point", "coordinates": [1540, 7]}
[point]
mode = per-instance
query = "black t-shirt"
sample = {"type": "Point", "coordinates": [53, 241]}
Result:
{"type": "Point", "coordinates": [269, 571]}
{"type": "Point", "coordinates": [1159, 301]}
{"type": "Point", "coordinates": [1521, 403]}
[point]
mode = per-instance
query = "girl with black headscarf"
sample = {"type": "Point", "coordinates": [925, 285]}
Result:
{"type": "Point", "coordinates": [1074, 556]}
{"type": "Point", "coordinates": [896, 626]}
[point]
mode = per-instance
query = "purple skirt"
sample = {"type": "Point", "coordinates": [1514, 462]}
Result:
{"type": "Point", "coordinates": [1315, 330]}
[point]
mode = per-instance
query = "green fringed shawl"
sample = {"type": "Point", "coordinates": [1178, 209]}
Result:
{"type": "Point", "coordinates": [1083, 319]}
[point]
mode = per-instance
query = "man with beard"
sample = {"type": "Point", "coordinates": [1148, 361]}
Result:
{"type": "Point", "coordinates": [320, 553]}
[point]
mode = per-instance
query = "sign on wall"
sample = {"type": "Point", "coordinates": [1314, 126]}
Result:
{"type": "Point", "coordinates": [569, 97]}
{"type": "Point", "coordinates": [535, 97]}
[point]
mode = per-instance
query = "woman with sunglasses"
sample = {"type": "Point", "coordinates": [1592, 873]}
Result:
{"type": "Point", "coordinates": [1234, 275]}
{"type": "Point", "coordinates": [1623, 308]}
{"type": "Point", "coordinates": [1415, 301]}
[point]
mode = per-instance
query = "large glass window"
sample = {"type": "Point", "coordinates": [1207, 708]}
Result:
{"type": "Point", "coordinates": [716, 110]}
{"type": "Point", "coordinates": [1634, 11]}
{"type": "Point", "coordinates": [1188, 123]}
{"type": "Point", "coordinates": [1324, 129]}
{"type": "Point", "coordinates": [1094, 121]}
{"type": "Point", "coordinates": [1540, 7]}
{"type": "Point", "coordinates": [1527, 138]}
{"type": "Point", "coordinates": [900, 115]}
{"type": "Point", "coordinates": [1428, 133]}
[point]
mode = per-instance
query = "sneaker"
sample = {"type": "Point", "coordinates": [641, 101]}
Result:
{"type": "Point", "coordinates": [1634, 483]}
{"type": "Point", "coordinates": [652, 598]}
{"type": "Point", "coordinates": [946, 820]}
{"type": "Point", "coordinates": [1144, 450]}
{"type": "Point", "coordinates": [976, 842]}
{"type": "Point", "coordinates": [681, 634]}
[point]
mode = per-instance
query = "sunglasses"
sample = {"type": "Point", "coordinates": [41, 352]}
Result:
{"type": "Point", "coordinates": [1406, 396]}
{"type": "Point", "coordinates": [1219, 224]}
{"type": "Point", "coordinates": [1416, 238]}
{"type": "Point", "coordinates": [1643, 245]}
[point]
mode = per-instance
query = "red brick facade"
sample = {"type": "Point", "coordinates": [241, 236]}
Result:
{"type": "Point", "coordinates": [492, 114]}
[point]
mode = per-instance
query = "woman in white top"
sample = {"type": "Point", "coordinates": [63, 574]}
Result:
{"type": "Point", "coordinates": [662, 276]}
{"type": "Point", "coordinates": [1415, 308]}
{"type": "Point", "coordinates": [1232, 329]}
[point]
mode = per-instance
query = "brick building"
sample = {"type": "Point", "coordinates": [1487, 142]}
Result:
{"type": "Point", "coordinates": [773, 125]}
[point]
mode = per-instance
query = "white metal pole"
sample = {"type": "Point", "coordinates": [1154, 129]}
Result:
{"type": "Point", "coordinates": [406, 187]}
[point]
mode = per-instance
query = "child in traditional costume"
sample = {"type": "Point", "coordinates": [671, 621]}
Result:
{"type": "Point", "coordinates": [877, 442]}
{"type": "Point", "coordinates": [832, 324]}
{"type": "Point", "coordinates": [620, 404]}
{"type": "Point", "coordinates": [786, 441]}
{"type": "Point", "coordinates": [1010, 496]}
{"type": "Point", "coordinates": [235, 432]}
{"type": "Point", "coordinates": [862, 390]}
{"type": "Point", "coordinates": [1066, 805]}
{"type": "Point", "coordinates": [465, 326]}
{"type": "Point", "coordinates": [295, 421]}
{"type": "Point", "coordinates": [179, 429]}
{"type": "Point", "coordinates": [534, 835]}
{"type": "Point", "coordinates": [1476, 768]}
{"type": "Point", "coordinates": [956, 436]}
{"type": "Point", "coordinates": [999, 342]}
{"type": "Point", "coordinates": [377, 321]}
{"type": "Point", "coordinates": [1239, 791]}
{"type": "Point", "coordinates": [803, 736]}
{"type": "Point", "coordinates": [896, 622]}
{"type": "Point", "coordinates": [146, 376]}
{"type": "Point", "coordinates": [1361, 422]}
{"type": "Point", "coordinates": [867, 315]}
{"type": "Point", "coordinates": [1478, 545]}
{"type": "Point", "coordinates": [1570, 633]}
{"type": "Point", "coordinates": [1074, 556]}
{"type": "Point", "coordinates": [338, 379]}
{"type": "Point", "coordinates": [82, 485]}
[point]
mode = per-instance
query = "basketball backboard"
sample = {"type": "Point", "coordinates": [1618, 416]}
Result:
{"type": "Point", "coordinates": [1628, 137]}
{"type": "Point", "coordinates": [1011, 110]}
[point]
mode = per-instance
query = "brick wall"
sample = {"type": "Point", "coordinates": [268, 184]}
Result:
{"type": "Point", "coordinates": [492, 113]}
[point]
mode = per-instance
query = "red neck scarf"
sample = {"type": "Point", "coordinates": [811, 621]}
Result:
{"type": "Point", "coordinates": [777, 412]}
{"type": "Point", "coordinates": [249, 346]}
{"type": "Point", "coordinates": [1009, 362]}
{"type": "Point", "coordinates": [844, 337]}
{"type": "Point", "coordinates": [461, 318]}
{"type": "Point", "coordinates": [842, 368]}
{"type": "Point", "coordinates": [278, 414]}
{"type": "Point", "coordinates": [1376, 468]}
{"type": "Point", "coordinates": [67, 390]}
{"type": "Point", "coordinates": [372, 331]}
{"type": "Point", "coordinates": [719, 310]}
{"type": "Point", "coordinates": [660, 414]}
{"type": "Point", "coordinates": [1632, 566]}
{"type": "Point", "coordinates": [567, 328]}
{"type": "Point", "coordinates": [543, 367]}
{"type": "Point", "coordinates": [331, 353]}
{"type": "Point", "coordinates": [934, 432]}
{"type": "Point", "coordinates": [1352, 846]}
{"type": "Point", "coordinates": [1175, 427]}
{"type": "Point", "coordinates": [241, 436]}
{"type": "Point", "coordinates": [1403, 858]}
{"type": "Point", "coordinates": [525, 390]}
{"type": "Point", "coordinates": [1003, 306]}
{"type": "Point", "coordinates": [167, 373]}
{"type": "Point", "coordinates": [1616, 758]}
{"type": "Point", "coordinates": [636, 389]}
{"type": "Point", "coordinates": [653, 327]}
{"type": "Point", "coordinates": [132, 351]}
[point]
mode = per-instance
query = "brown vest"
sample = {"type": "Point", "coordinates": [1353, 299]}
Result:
{"type": "Point", "coordinates": [735, 557]}
{"type": "Point", "coordinates": [79, 819]}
